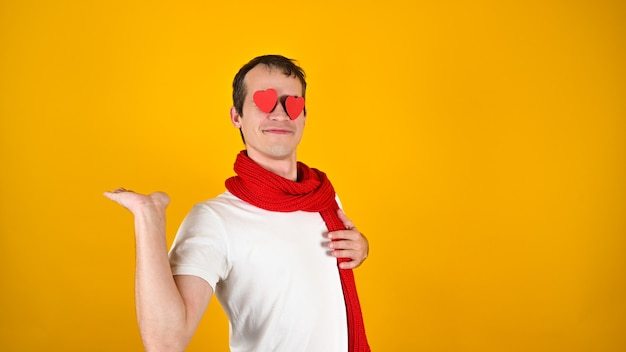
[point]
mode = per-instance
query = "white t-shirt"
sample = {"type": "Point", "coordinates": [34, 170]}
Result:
{"type": "Point", "coordinates": [270, 271]}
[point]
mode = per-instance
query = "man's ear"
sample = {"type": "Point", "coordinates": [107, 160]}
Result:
{"type": "Point", "coordinates": [235, 118]}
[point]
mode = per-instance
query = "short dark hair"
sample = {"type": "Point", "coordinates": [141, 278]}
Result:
{"type": "Point", "coordinates": [287, 66]}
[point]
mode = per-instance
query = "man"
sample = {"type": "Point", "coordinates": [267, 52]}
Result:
{"type": "Point", "coordinates": [275, 247]}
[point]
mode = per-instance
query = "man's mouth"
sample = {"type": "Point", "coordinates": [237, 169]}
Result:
{"type": "Point", "coordinates": [277, 131]}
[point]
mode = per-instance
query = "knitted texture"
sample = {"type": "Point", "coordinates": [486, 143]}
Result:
{"type": "Point", "coordinates": [312, 192]}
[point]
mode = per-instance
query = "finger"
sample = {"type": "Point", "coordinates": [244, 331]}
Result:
{"type": "Point", "coordinates": [161, 198]}
{"type": "Point", "coordinates": [348, 262]}
{"type": "Point", "coordinates": [112, 195]}
{"type": "Point", "coordinates": [344, 235]}
{"type": "Point", "coordinates": [121, 195]}
{"type": "Point", "coordinates": [349, 265]}
{"type": "Point", "coordinates": [346, 222]}
{"type": "Point", "coordinates": [345, 253]}
{"type": "Point", "coordinates": [343, 244]}
{"type": "Point", "coordinates": [116, 197]}
{"type": "Point", "coordinates": [121, 190]}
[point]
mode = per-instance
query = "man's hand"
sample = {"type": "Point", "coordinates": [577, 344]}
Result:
{"type": "Point", "coordinates": [349, 243]}
{"type": "Point", "coordinates": [137, 203]}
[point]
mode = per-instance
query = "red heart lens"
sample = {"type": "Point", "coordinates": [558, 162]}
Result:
{"type": "Point", "coordinates": [265, 100]}
{"type": "Point", "coordinates": [294, 106]}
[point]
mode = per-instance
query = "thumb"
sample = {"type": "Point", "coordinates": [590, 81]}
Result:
{"type": "Point", "coordinates": [346, 222]}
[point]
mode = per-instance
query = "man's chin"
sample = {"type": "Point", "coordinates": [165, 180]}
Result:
{"type": "Point", "coordinates": [280, 152]}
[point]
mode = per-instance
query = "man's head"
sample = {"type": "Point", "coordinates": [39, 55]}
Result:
{"type": "Point", "coordinates": [274, 62]}
{"type": "Point", "coordinates": [268, 97]}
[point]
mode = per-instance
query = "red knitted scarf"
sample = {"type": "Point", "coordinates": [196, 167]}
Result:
{"type": "Point", "coordinates": [312, 192]}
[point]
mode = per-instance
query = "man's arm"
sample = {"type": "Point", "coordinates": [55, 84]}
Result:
{"type": "Point", "coordinates": [169, 308]}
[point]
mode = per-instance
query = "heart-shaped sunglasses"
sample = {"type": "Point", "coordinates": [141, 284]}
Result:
{"type": "Point", "coordinates": [266, 101]}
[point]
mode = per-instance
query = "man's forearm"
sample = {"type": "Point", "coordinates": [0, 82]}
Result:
{"type": "Point", "coordinates": [160, 306]}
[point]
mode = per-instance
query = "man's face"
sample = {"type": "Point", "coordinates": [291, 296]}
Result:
{"type": "Point", "coordinates": [273, 135]}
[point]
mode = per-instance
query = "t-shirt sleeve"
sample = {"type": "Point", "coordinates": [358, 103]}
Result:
{"type": "Point", "coordinates": [200, 247]}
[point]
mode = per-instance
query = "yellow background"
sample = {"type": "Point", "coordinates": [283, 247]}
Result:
{"type": "Point", "coordinates": [478, 144]}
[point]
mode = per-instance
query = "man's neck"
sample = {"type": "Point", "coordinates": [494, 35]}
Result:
{"type": "Point", "coordinates": [287, 167]}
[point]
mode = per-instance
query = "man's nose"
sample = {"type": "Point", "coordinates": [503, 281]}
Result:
{"type": "Point", "coordinates": [279, 113]}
